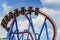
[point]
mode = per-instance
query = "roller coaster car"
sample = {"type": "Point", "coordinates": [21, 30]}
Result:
{"type": "Point", "coordinates": [3, 23]}
{"type": "Point", "coordinates": [7, 19]}
{"type": "Point", "coordinates": [11, 15]}
{"type": "Point", "coordinates": [16, 12]}
{"type": "Point", "coordinates": [23, 10]}
{"type": "Point", "coordinates": [30, 10]}
{"type": "Point", "coordinates": [36, 11]}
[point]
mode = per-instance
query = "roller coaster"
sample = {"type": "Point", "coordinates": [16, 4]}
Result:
{"type": "Point", "coordinates": [29, 36]}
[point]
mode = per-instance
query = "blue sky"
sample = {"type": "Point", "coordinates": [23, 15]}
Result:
{"type": "Point", "coordinates": [51, 7]}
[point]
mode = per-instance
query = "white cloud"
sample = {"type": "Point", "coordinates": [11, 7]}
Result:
{"type": "Point", "coordinates": [6, 8]}
{"type": "Point", "coordinates": [50, 12]}
{"type": "Point", "coordinates": [54, 14]}
{"type": "Point", "coordinates": [58, 20]}
{"type": "Point", "coordinates": [54, 4]}
{"type": "Point", "coordinates": [50, 1]}
{"type": "Point", "coordinates": [2, 31]}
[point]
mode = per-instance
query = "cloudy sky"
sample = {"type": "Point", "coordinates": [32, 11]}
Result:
{"type": "Point", "coordinates": [51, 7]}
